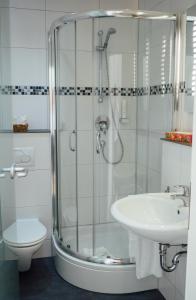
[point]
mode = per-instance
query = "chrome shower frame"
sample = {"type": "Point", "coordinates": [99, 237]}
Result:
{"type": "Point", "coordinates": [53, 37]}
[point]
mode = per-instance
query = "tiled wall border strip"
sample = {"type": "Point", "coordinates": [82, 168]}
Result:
{"type": "Point", "coordinates": [161, 89]}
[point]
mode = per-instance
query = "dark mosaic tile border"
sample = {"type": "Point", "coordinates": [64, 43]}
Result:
{"type": "Point", "coordinates": [161, 89]}
{"type": "Point", "coordinates": [24, 90]}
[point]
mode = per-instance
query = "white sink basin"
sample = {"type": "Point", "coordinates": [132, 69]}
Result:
{"type": "Point", "coordinates": [155, 217]}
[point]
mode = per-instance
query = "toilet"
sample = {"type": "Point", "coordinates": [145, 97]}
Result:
{"type": "Point", "coordinates": [24, 237]}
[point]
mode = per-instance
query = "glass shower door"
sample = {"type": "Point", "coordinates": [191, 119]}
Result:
{"type": "Point", "coordinates": [115, 46]}
{"type": "Point", "coordinates": [66, 111]}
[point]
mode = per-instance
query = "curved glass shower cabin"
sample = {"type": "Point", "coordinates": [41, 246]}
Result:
{"type": "Point", "coordinates": [105, 67]}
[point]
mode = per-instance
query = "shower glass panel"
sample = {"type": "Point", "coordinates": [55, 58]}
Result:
{"type": "Point", "coordinates": [66, 136]}
{"type": "Point", "coordinates": [114, 101]}
{"type": "Point", "coordinates": [155, 99]}
{"type": "Point", "coordinates": [115, 46]}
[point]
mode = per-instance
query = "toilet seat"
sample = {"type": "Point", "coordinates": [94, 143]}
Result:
{"type": "Point", "coordinates": [24, 233]}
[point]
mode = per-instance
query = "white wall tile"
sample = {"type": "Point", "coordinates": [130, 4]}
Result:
{"type": "Point", "coordinates": [105, 204]}
{"type": "Point", "coordinates": [35, 4]}
{"type": "Point", "coordinates": [72, 6]}
{"type": "Point", "coordinates": [115, 4]}
{"type": "Point", "coordinates": [167, 289]}
{"type": "Point", "coordinates": [141, 183]}
{"type": "Point", "coordinates": [181, 276]}
{"type": "Point", "coordinates": [27, 66]}
{"type": "Point", "coordinates": [176, 164]}
{"type": "Point", "coordinates": [124, 179]}
{"type": "Point", "coordinates": [160, 113]}
{"type": "Point", "coordinates": [28, 105]}
{"type": "Point", "coordinates": [26, 28]}
{"type": "Point", "coordinates": [33, 190]}
{"type": "Point", "coordinates": [85, 113]}
{"type": "Point", "coordinates": [44, 251]}
{"type": "Point", "coordinates": [66, 113]}
{"type": "Point", "coordinates": [154, 181]}
{"type": "Point", "coordinates": [142, 147]}
{"type": "Point", "coordinates": [68, 211]}
{"type": "Point", "coordinates": [155, 151]}
{"type": "Point", "coordinates": [85, 210]}
{"type": "Point", "coordinates": [142, 112]}
{"type": "Point", "coordinates": [67, 181]}
{"type": "Point", "coordinates": [85, 180]}
{"type": "Point", "coordinates": [179, 296]}
{"type": "Point", "coordinates": [85, 147]}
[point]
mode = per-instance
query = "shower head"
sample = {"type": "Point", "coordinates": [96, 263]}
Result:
{"type": "Point", "coordinates": [110, 31]}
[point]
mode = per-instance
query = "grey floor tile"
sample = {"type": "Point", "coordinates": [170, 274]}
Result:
{"type": "Point", "coordinates": [43, 283]}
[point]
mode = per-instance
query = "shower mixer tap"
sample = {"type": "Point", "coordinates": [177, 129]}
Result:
{"type": "Point", "coordinates": [102, 125]}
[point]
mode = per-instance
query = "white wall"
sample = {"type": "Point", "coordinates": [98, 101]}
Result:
{"type": "Point", "coordinates": [166, 5]}
{"type": "Point", "coordinates": [154, 111]}
{"type": "Point", "coordinates": [176, 169]}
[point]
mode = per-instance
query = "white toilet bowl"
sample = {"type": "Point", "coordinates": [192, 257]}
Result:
{"type": "Point", "coordinates": [24, 238]}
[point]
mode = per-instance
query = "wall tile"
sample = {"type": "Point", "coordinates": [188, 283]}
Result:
{"type": "Point", "coordinates": [167, 289]}
{"type": "Point", "coordinates": [85, 113]}
{"type": "Point", "coordinates": [36, 4]}
{"type": "Point", "coordinates": [160, 113]}
{"type": "Point", "coordinates": [141, 179]}
{"type": "Point", "coordinates": [85, 180]}
{"type": "Point", "coordinates": [154, 181]}
{"type": "Point", "coordinates": [21, 61]}
{"type": "Point", "coordinates": [28, 105]}
{"type": "Point", "coordinates": [115, 4]}
{"type": "Point", "coordinates": [142, 147]}
{"type": "Point", "coordinates": [155, 151]}
{"type": "Point", "coordinates": [33, 190]}
{"type": "Point", "coordinates": [67, 181]}
{"type": "Point", "coordinates": [26, 28]}
{"type": "Point", "coordinates": [85, 147]}
{"type": "Point", "coordinates": [44, 251]}
{"type": "Point", "coordinates": [73, 6]}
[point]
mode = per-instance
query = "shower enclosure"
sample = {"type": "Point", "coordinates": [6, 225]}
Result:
{"type": "Point", "coordinates": [112, 94]}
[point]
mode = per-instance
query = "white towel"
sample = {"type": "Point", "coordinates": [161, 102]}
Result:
{"type": "Point", "coordinates": [146, 253]}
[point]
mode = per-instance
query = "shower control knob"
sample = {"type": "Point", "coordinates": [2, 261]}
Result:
{"type": "Point", "coordinates": [102, 124]}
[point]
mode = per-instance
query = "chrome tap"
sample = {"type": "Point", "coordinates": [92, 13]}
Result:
{"type": "Point", "coordinates": [183, 195]}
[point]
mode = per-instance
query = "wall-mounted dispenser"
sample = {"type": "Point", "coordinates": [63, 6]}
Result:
{"type": "Point", "coordinates": [123, 117]}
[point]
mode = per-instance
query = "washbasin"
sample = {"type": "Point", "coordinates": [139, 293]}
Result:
{"type": "Point", "coordinates": [155, 216]}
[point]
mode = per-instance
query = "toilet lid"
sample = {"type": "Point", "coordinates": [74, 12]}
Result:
{"type": "Point", "coordinates": [24, 231]}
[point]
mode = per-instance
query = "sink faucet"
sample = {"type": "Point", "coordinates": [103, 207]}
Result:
{"type": "Point", "coordinates": [184, 195]}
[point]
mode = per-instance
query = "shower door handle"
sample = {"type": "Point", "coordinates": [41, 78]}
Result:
{"type": "Point", "coordinates": [71, 147]}
{"type": "Point", "coordinates": [14, 171]}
